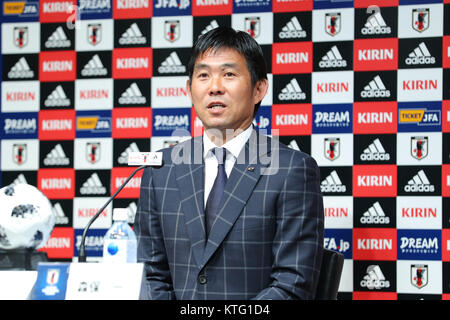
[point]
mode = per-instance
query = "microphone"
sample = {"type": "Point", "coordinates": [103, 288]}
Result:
{"type": "Point", "coordinates": [141, 159]}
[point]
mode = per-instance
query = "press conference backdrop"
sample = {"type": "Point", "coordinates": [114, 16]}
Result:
{"type": "Point", "coordinates": [363, 86]}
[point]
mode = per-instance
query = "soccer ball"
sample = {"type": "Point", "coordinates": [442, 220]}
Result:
{"type": "Point", "coordinates": [26, 217]}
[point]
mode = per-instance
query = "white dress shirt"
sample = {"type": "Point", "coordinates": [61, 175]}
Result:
{"type": "Point", "coordinates": [233, 146]}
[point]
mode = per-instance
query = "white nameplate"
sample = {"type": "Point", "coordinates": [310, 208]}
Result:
{"type": "Point", "coordinates": [145, 158]}
{"type": "Point", "coordinates": [105, 281]}
{"type": "Point", "coordinates": [17, 285]}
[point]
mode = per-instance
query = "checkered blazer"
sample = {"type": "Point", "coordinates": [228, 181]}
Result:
{"type": "Point", "coordinates": [265, 243]}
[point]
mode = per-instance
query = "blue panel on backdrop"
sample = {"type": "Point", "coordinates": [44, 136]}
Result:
{"type": "Point", "coordinates": [19, 11]}
{"type": "Point", "coordinates": [246, 6]}
{"type": "Point", "coordinates": [339, 240]}
{"type": "Point", "coordinates": [171, 7]}
{"type": "Point", "coordinates": [332, 118]}
{"type": "Point", "coordinates": [420, 116]}
{"type": "Point", "coordinates": [326, 4]}
{"type": "Point", "coordinates": [94, 242]}
{"type": "Point", "coordinates": [22, 125]}
{"type": "Point", "coordinates": [95, 9]}
{"type": "Point", "coordinates": [166, 121]}
{"type": "Point", "coordinates": [419, 244]}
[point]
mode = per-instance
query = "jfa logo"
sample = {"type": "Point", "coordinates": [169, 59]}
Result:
{"type": "Point", "coordinates": [263, 119]}
{"type": "Point", "coordinates": [339, 240]}
{"type": "Point", "coordinates": [90, 124]}
{"type": "Point", "coordinates": [419, 116]}
{"type": "Point", "coordinates": [17, 11]}
{"type": "Point", "coordinates": [172, 7]}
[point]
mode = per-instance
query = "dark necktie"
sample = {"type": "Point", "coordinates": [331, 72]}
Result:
{"type": "Point", "coordinates": [212, 204]}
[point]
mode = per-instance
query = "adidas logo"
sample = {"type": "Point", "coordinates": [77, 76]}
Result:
{"type": "Point", "coordinates": [131, 211]}
{"type": "Point", "coordinates": [56, 157]}
{"type": "Point", "coordinates": [292, 91]}
{"type": "Point", "coordinates": [212, 25]}
{"type": "Point", "coordinates": [294, 145]}
{"type": "Point", "coordinates": [21, 70]}
{"type": "Point", "coordinates": [133, 35]}
{"type": "Point", "coordinates": [374, 214]}
{"type": "Point", "coordinates": [420, 55]}
{"type": "Point", "coordinates": [374, 278]}
{"type": "Point", "coordinates": [292, 30]}
{"type": "Point", "coordinates": [60, 217]}
{"type": "Point", "coordinates": [419, 183]}
{"type": "Point", "coordinates": [123, 158]}
{"type": "Point", "coordinates": [57, 98]}
{"type": "Point", "coordinates": [333, 59]}
{"type": "Point", "coordinates": [132, 95]}
{"type": "Point", "coordinates": [58, 39]}
{"type": "Point", "coordinates": [93, 185]}
{"type": "Point", "coordinates": [20, 179]}
{"type": "Point", "coordinates": [172, 64]}
{"type": "Point", "coordinates": [94, 67]}
{"type": "Point", "coordinates": [332, 183]}
{"type": "Point", "coordinates": [375, 151]}
{"type": "Point", "coordinates": [375, 24]}
{"type": "Point", "coordinates": [375, 89]}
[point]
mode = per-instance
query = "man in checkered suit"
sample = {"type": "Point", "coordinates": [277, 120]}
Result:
{"type": "Point", "coordinates": [244, 225]}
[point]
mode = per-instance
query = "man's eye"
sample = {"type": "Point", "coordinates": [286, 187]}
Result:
{"type": "Point", "coordinates": [229, 74]}
{"type": "Point", "coordinates": [202, 75]}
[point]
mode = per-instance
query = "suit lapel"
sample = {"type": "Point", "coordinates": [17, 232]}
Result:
{"type": "Point", "coordinates": [243, 178]}
{"type": "Point", "coordinates": [190, 180]}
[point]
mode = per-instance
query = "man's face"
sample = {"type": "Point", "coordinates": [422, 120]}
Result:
{"type": "Point", "coordinates": [221, 90]}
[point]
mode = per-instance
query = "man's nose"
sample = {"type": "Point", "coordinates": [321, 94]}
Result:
{"type": "Point", "coordinates": [216, 86]}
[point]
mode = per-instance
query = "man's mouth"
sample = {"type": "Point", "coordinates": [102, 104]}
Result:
{"type": "Point", "coordinates": [216, 105]}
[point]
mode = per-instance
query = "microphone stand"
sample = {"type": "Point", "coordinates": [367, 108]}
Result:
{"type": "Point", "coordinates": [82, 251]}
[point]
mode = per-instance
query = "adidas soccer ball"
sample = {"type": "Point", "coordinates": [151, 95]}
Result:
{"type": "Point", "coordinates": [26, 217]}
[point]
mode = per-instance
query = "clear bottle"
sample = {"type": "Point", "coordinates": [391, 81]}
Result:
{"type": "Point", "coordinates": [120, 245]}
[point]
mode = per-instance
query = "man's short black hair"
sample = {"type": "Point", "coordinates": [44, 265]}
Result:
{"type": "Point", "coordinates": [242, 42]}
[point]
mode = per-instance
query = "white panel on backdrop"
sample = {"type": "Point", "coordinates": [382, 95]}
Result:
{"type": "Point", "coordinates": [430, 148]}
{"type": "Point", "coordinates": [419, 212]}
{"type": "Point", "coordinates": [430, 283]}
{"type": "Point", "coordinates": [94, 94]}
{"type": "Point", "coordinates": [20, 96]}
{"type": "Point", "coordinates": [93, 153]}
{"type": "Point", "coordinates": [332, 87]}
{"type": "Point", "coordinates": [333, 24]}
{"type": "Point", "coordinates": [95, 35]}
{"type": "Point", "coordinates": [18, 155]}
{"type": "Point", "coordinates": [268, 100]}
{"type": "Point", "coordinates": [257, 24]}
{"type": "Point", "coordinates": [338, 212]}
{"type": "Point", "coordinates": [172, 32]}
{"type": "Point", "coordinates": [21, 37]}
{"type": "Point", "coordinates": [346, 284]}
{"type": "Point", "coordinates": [85, 208]}
{"type": "Point", "coordinates": [332, 149]}
{"type": "Point", "coordinates": [170, 92]}
{"type": "Point", "coordinates": [419, 84]}
{"type": "Point", "coordinates": [428, 25]}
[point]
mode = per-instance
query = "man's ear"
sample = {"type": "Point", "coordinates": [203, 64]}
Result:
{"type": "Point", "coordinates": [260, 90]}
{"type": "Point", "coordinates": [188, 88]}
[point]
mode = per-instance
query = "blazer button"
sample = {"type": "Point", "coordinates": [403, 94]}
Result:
{"type": "Point", "coordinates": [202, 279]}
